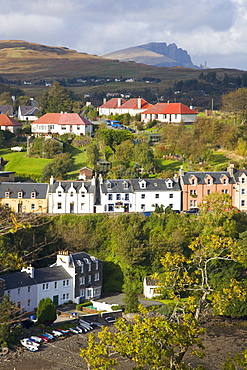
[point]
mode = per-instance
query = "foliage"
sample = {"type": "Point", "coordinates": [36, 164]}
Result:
{"type": "Point", "coordinates": [93, 154]}
{"type": "Point", "coordinates": [151, 343]}
{"type": "Point", "coordinates": [61, 164]}
{"type": "Point", "coordinates": [56, 100]}
{"type": "Point", "coordinates": [236, 102]}
{"type": "Point", "coordinates": [8, 312]}
{"type": "Point", "coordinates": [46, 311]}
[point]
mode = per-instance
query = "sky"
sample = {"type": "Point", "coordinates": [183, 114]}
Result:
{"type": "Point", "coordinates": [212, 31]}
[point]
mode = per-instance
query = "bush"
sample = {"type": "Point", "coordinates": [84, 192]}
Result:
{"type": "Point", "coordinates": [78, 307]}
{"type": "Point", "coordinates": [46, 312]}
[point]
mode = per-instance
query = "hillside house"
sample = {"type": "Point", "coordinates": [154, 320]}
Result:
{"type": "Point", "coordinates": [27, 113]}
{"type": "Point", "coordinates": [62, 123]}
{"type": "Point", "coordinates": [7, 109]}
{"type": "Point", "coordinates": [9, 123]}
{"type": "Point", "coordinates": [169, 113]}
{"type": "Point", "coordinates": [134, 106]}
{"type": "Point", "coordinates": [111, 106]}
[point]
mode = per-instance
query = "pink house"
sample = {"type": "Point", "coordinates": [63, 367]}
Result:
{"type": "Point", "coordinates": [169, 113]}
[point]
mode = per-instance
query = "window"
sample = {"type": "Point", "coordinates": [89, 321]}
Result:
{"type": "Point", "coordinates": [224, 181]}
{"type": "Point", "coordinates": [170, 195]}
{"type": "Point", "coordinates": [110, 207]}
{"type": "Point", "coordinates": [243, 192]}
{"type": "Point", "coordinates": [32, 206]}
{"type": "Point", "coordinates": [243, 180]}
{"type": "Point", "coordinates": [7, 194]}
{"type": "Point", "coordinates": [143, 185]}
{"type": "Point", "coordinates": [82, 292]}
{"type": "Point", "coordinates": [89, 278]}
{"type": "Point", "coordinates": [96, 265]}
{"type": "Point", "coordinates": [33, 194]}
{"type": "Point", "coordinates": [171, 205]}
{"type": "Point", "coordinates": [63, 282]}
{"type": "Point", "coordinates": [193, 192]}
{"type": "Point", "coordinates": [225, 191]}
{"type": "Point", "coordinates": [142, 206]}
{"type": "Point", "coordinates": [208, 192]}
{"type": "Point", "coordinates": [125, 185]}
{"type": "Point", "coordinates": [29, 302]}
{"type": "Point", "coordinates": [45, 286]}
{"type": "Point", "coordinates": [169, 184]}
{"type": "Point", "coordinates": [108, 185]}
{"type": "Point", "coordinates": [18, 290]}
{"type": "Point", "coordinates": [127, 197]}
{"type": "Point", "coordinates": [142, 196]}
{"type": "Point", "coordinates": [82, 280]}
{"type": "Point", "coordinates": [55, 285]}
{"type": "Point", "coordinates": [71, 193]}
{"type": "Point", "coordinates": [157, 196]}
{"type": "Point", "coordinates": [89, 266]}
{"type": "Point", "coordinates": [83, 193]}
{"type": "Point", "coordinates": [242, 203]}
{"type": "Point", "coordinates": [82, 268]}
{"type": "Point", "coordinates": [63, 296]}
{"type": "Point", "coordinates": [193, 182]}
{"type": "Point", "coordinates": [82, 206]}
{"type": "Point", "coordinates": [19, 194]}
{"type": "Point", "coordinates": [59, 206]}
{"type": "Point", "coordinates": [96, 277]}
{"type": "Point", "coordinates": [59, 193]}
{"type": "Point", "coordinates": [67, 296]}
{"type": "Point", "coordinates": [109, 196]}
{"type": "Point", "coordinates": [67, 282]}
{"type": "Point", "coordinates": [63, 127]}
{"type": "Point", "coordinates": [208, 181]}
{"type": "Point", "coordinates": [78, 127]}
{"type": "Point", "coordinates": [28, 289]}
{"type": "Point", "coordinates": [118, 196]}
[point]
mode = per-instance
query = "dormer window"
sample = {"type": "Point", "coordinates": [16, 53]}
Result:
{"type": "Point", "coordinates": [33, 194]}
{"type": "Point", "coordinates": [59, 193]}
{"type": "Point", "coordinates": [125, 185]}
{"type": "Point", "coordinates": [7, 194]}
{"type": "Point", "coordinates": [142, 184]}
{"type": "Point", "coordinates": [108, 185]}
{"type": "Point", "coordinates": [83, 193]}
{"type": "Point", "coordinates": [208, 181]}
{"type": "Point", "coordinates": [169, 184]}
{"type": "Point", "coordinates": [71, 193]}
{"type": "Point", "coordinates": [243, 180]}
{"type": "Point", "coordinates": [20, 193]}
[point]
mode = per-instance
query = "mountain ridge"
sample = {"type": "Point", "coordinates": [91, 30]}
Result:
{"type": "Point", "coordinates": [158, 54]}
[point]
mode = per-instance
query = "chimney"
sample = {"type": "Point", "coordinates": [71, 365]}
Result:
{"type": "Point", "coordinates": [230, 169]}
{"type": "Point", "coordinates": [104, 100]}
{"type": "Point", "coordinates": [119, 102]}
{"type": "Point", "coordinates": [100, 179]}
{"type": "Point", "coordinates": [93, 181]}
{"type": "Point", "coordinates": [181, 171]}
{"type": "Point", "coordinates": [29, 270]}
{"type": "Point", "coordinates": [139, 103]}
{"type": "Point", "coordinates": [175, 177]}
{"type": "Point", "coordinates": [63, 258]}
{"type": "Point", "coordinates": [51, 180]}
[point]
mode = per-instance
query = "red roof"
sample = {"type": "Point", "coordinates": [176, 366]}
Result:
{"type": "Point", "coordinates": [155, 109]}
{"type": "Point", "coordinates": [62, 119]}
{"type": "Point", "coordinates": [133, 104]}
{"type": "Point", "coordinates": [170, 108]}
{"type": "Point", "coordinates": [8, 121]}
{"type": "Point", "coordinates": [113, 103]}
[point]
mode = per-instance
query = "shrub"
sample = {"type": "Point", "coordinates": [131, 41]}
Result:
{"type": "Point", "coordinates": [46, 312]}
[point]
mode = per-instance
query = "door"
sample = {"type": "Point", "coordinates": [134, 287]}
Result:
{"type": "Point", "coordinates": [20, 207]}
{"type": "Point", "coordinates": [126, 207]}
{"type": "Point", "coordinates": [55, 300]}
{"type": "Point", "coordinates": [71, 208]}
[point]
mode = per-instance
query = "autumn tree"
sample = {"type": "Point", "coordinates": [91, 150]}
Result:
{"type": "Point", "coordinates": [56, 100]}
{"type": "Point", "coordinates": [236, 103]}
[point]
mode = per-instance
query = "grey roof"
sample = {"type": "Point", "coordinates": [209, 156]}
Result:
{"type": "Point", "coordinates": [201, 177]}
{"type": "Point", "coordinates": [81, 257]}
{"type": "Point", "coordinates": [151, 281]}
{"type": "Point", "coordinates": [42, 275]}
{"type": "Point", "coordinates": [155, 185]}
{"type": "Point", "coordinates": [17, 280]}
{"type": "Point", "coordinates": [66, 185]}
{"type": "Point", "coordinates": [117, 186]}
{"type": "Point", "coordinates": [53, 273]}
{"type": "Point", "coordinates": [4, 109]}
{"type": "Point", "coordinates": [237, 174]}
{"type": "Point", "coordinates": [27, 110]}
{"type": "Point", "coordinates": [27, 188]}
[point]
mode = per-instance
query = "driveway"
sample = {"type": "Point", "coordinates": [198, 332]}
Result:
{"type": "Point", "coordinates": [118, 298]}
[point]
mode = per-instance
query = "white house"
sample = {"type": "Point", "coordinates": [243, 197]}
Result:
{"type": "Point", "coordinates": [134, 106]}
{"type": "Point", "coordinates": [62, 123]}
{"type": "Point", "coordinates": [27, 113]}
{"type": "Point", "coordinates": [76, 277]}
{"type": "Point", "coordinates": [111, 106]}
{"type": "Point", "coordinates": [150, 287]}
{"type": "Point", "coordinates": [169, 113]}
{"type": "Point", "coordinates": [151, 193]}
{"type": "Point", "coordinates": [240, 198]}
{"type": "Point", "coordinates": [9, 123]}
{"type": "Point", "coordinates": [116, 196]}
{"type": "Point", "coordinates": [71, 196]}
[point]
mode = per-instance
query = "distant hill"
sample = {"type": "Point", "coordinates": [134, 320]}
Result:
{"type": "Point", "coordinates": [157, 54]}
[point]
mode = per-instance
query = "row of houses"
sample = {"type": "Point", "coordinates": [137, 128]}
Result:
{"type": "Point", "coordinates": [96, 195]}
{"type": "Point", "coordinates": [163, 112]}
{"type": "Point", "coordinates": [73, 277]}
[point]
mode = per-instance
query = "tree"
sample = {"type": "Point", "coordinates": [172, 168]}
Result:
{"type": "Point", "coordinates": [6, 99]}
{"type": "Point", "coordinates": [61, 164]}
{"type": "Point", "coordinates": [8, 332]}
{"type": "Point", "coordinates": [151, 343]}
{"type": "Point", "coordinates": [52, 148]}
{"type": "Point", "coordinates": [93, 154]}
{"type": "Point", "coordinates": [236, 103]}
{"type": "Point", "coordinates": [46, 311]}
{"type": "Point", "coordinates": [56, 100]}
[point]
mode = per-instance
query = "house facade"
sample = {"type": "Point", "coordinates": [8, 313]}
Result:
{"type": "Point", "coordinates": [240, 192]}
{"type": "Point", "coordinates": [24, 197]}
{"type": "Point", "coordinates": [76, 277]}
{"type": "Point", "coordinates": [169, 113]}
{"type": "Point", "coordinates": [134, 106]}
{"type": "Point", "coordinates": [71, 196]}
{"type": "Point", "coordinates": [116, 196]}
{"type": "Point", "coordinates": [197, 185]}
{"type": "Point", "coordinates": [27, 113]}
{"type": "Point", "coordinates": [111, 106]}
{"type": "Point", "coordinates": [150, 287]}
{"type": "Point", "coordinates": [62, 123]}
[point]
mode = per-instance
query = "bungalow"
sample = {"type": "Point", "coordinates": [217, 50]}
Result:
{"type": "Point", "coordinates": [111, 106]}
{"type": "Point", "coordinates": [62, 123]}
{"type": "Point", "coordinates": [169, 113]}
{"type": "Point", "coordinates": [8, 123]}
{"type": "Point", "coordinates": [134, 106]}
{"type": "Point", "coordinates": [27, 113]}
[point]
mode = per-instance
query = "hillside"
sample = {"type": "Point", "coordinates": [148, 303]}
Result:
{"type": "Point", "coordinates": [158, 54]}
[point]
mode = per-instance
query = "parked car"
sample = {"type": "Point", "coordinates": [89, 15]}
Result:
{"type": "Point", "coordinates": [192, 210]}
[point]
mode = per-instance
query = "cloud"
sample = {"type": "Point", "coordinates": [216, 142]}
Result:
{"type": "Point", "coordinates": [205, 28]}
